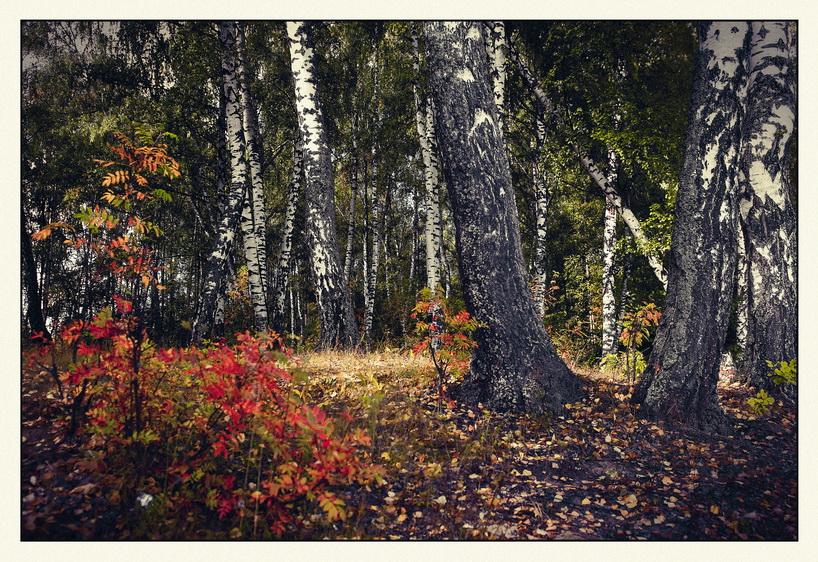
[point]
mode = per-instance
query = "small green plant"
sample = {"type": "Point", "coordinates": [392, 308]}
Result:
{"type": "Point", "coordinates": [786, 372]}
{"type": "Point", "coordinates": [784, 375]}
{"type": "Point", "coordinates": [760, 404]}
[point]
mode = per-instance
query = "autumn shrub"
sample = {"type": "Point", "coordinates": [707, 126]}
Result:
{"type": "Point", "coordinates": [637, 328]}
{"type": "Point", "coordinates": [447, 336]}
{"type": "Point", "coordinates": [221, 435]}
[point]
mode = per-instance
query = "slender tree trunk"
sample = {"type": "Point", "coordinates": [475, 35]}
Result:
{"type": "Point", "coordinates": [425, 127]}
{"type": "Point", "coordinates": [34, 311]}
{"type": "Point", "coordinates": [679, 382]}
{"type": "Point", "coordinates": [353, 180]}
{"type": "Point", "coordinates": [378, 210]}
{"type": "Point", "coordinates": [542, 201]}
{"type": "Point", "coordinates": [767, 215]}
{"type": "Point", "coordinates": [609, 333]}
{"type": "Point", "coordinates": [610, 192]}
{"type": "Point", "coordinates": [338, 329]}
{"type": "Point", "coordinates": [255, 192]}
{"type": "Point", "coordinates": [229, 219]}
{"type": "Point", "coordinates": [515, 367]}
{"type": "Point", "coordinates": [424, 122]}
{"type": "Point", "coordinates": [285, 251]}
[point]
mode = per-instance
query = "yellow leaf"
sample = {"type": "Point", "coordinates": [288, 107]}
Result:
{"type": "Point", "coordinates": [630, 501]}
{"type": "Point", "coordinates": [667, 481]}
{"type": "Point", "coordinates": [714, 509]}
{"type": "Point", "coordinates": [586, 501]}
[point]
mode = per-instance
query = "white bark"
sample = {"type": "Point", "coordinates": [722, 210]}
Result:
{"type": "Point", "coordinates": [338, 327]}
{"type": "Point", "coordinates": [285, 250]}
{"type": "Point", "coordinates": [257, 264]}
{"type": "Point", "coordinates": [679, 381]}
{"type": "Point", "coordinates": [767, 214]}
{"type": "Point", "coordinates": [495, 48]}
{"type": "Point", "coordinates": [425, 129]}
{"type": "Point", "coordinates": [542, 202]}
{"type": "Point", "coordinates": [609, 333]}
{"type": "Point", "coordinates": [227, 226]}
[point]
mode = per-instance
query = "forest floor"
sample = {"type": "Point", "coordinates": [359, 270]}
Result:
{"type": "Point", "coordinates": [453, 472]}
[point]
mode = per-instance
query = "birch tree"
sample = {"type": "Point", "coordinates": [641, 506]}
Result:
{"type": "Point", "coordinates": [223, 244]}
{"type": "Point", "coordinates": [254, 215]}
{"type": "Point", "coordinates": [515, 367]}
{"type": "Point", "coordinates": [609, 332]}
{"type": "Point", "coordinates": [679, 381]}
{"type": "Point", "coordinates": [767, 215]}
{"type": "Point", "coordinates": [284, 265]}
{"type": "Point", "coordinates": [542, 200]}
{"type": "Point", "coordinates": [338, 328]}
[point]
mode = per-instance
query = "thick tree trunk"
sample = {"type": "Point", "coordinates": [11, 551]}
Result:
{"type": "Point", "coordinates": [216, 263]}
{"type": "Point", "coordinates": [679, 382]}
{"type": "Point", "coordinates": [608, 189]}
{"type": "Point", "coordinates": [767, 216]}
{"type": "Point", "coordinates": [515, 367]}
{"type": "Point", "coordinates": [338, 329]}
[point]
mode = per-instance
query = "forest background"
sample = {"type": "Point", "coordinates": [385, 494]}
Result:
{"type": "Point", "coordinates": [805, 232]}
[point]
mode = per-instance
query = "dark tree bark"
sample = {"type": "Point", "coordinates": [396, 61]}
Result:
{"type": "Point", "coordinates": [338, 327]}
{"type": "Point", "coordinates": [34, 311]}
{"type": "Point", "coordinates": [767, 215]}
{"type": "Point", "coordinates": [515, 366]}
{"type": "Point", "coordinates": [679, 382]}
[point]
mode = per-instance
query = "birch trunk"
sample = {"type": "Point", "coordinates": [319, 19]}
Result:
{"type": "Point", "coordinates": [223, 244]}
{"type": "Point", "coordinates": [283, 267]}
{"type": "Point", "coordinates": [609, 333]}
{"type": "Point", "coordinates": [610, 192]}
{"type": "Point", "coordinates": [257, 207]}
{"type": "Point", "coordinates": [425, 127]}
{"type": "Point", "coordinates": [351, 223]}
{"type": "Point", "coordinates": [767, 215]}
{"type": "Point", "coordinates": [543, 199]}
{"type": "Point", "coordinates": [371, 280]}
{"type": "Point", "coordinates": [679, 382]}
{"type": "Point", "coordinates": [338, 329]}
{"type": "Point", "coordinates": [515, 367]}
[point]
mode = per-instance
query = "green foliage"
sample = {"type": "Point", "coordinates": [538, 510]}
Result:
{"type": "Point", "coordinates": [784, 374]}
{"type": "Point", "coordinates": [760, 404]}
